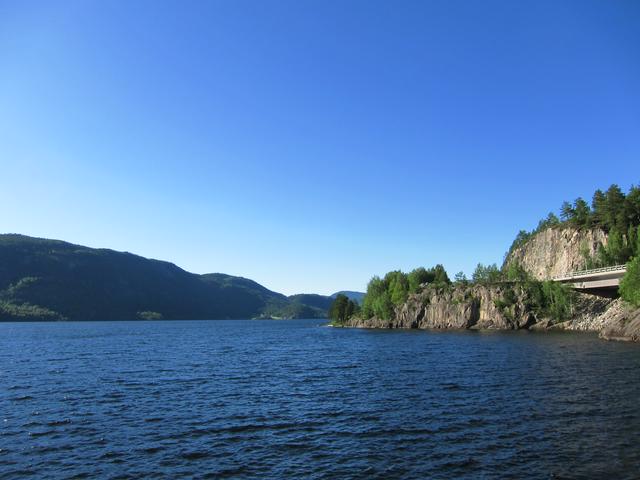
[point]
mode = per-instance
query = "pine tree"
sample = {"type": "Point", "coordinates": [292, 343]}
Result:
{"type": "Point", "coordinates": [614, 212]}
{"type": "Point", "coordinates": [338, 309]}
{"type": "Point", "coordinates": [632, 206]}
{"type": "Point", "coordinates": [567, 212]}
{"type": "Point", "coordinates": [582, 213]}
{"type": "Point", "coordinates": [599, 207]}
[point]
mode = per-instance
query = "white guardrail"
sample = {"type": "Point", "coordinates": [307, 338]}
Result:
{"type": "Point", "coordinates": [593, 271]}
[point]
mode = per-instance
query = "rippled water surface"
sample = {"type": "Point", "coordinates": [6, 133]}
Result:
{"type": "Point", "coordinates": [293, 399]}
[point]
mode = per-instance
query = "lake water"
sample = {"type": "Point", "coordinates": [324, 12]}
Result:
{"type": "Point", "coordinates": [293, 399]}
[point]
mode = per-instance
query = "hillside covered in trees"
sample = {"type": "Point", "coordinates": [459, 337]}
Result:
{"type": "Point", "coordinates": [44, 279]}
{"type": "Point", "coordinates": [612, 211]}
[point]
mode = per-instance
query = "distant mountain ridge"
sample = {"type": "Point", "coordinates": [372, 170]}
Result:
{"type": "Point", "coordinates": [42, 279]}
{"type": "Point", "coordinates": [355, 296]}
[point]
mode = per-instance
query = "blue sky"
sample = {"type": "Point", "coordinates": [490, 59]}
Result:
{"type": "Point", "coordinates": [309, 145]}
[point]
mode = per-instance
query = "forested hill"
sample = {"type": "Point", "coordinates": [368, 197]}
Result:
{"type": "Point", "coordinates": [603, 233]}
{"type": "Point", "coordinates": [611, 211]}
{"type": "Point", "coordinates": [354, 296]}
{"type": "Point", "coordinates": [53, 280]}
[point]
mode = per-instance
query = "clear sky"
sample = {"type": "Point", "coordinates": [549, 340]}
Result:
{"type": "Point", "coordinates": [309, 145]}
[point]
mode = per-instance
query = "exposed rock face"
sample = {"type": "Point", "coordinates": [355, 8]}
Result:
{"type": "Point", "coordinates": [550, 253]}
{"type": "Point", "coordinates": [461, 307]}
{"type": "Point", "coordinates": [621, 322]}
{"type": "Point", "coordinates": [589, 313]}
{"type": "Point", "coordinates": [506, 307]}
{"type": "Point", "coordinates": [555, 251]}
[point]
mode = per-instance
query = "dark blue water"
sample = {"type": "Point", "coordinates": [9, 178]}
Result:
{"type": "Point", "coordinates": [292, 399]}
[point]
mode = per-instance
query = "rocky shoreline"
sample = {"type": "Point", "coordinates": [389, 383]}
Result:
{"type": "Point", "coordinates": [483, 307]}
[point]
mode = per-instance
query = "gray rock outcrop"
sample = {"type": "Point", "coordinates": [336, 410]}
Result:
{"type": "Point", "coordinates": [507, 306]}
{"type": "Point", "coordinates": [555, 251]}
{"type": "Point", "coordinates": [621, 322]}
{"type": "Point", "coordinates": [459, 307]}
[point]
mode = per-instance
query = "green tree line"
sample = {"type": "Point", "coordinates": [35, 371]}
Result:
{"type": "Point", "coordinates": [612, 210]}
{"type": "Point", "coordinates": [545, 298]}
{"type": "Point", "coordinates": [384, 294]}
{"type": "Point", "coordinates": [548, 299]}
{"type": "Point", "coordinates": [342, 309]}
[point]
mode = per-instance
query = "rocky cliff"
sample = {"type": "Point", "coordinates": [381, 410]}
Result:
{"type": "Point", "coordinates": [555, 251]}
{"type": "Point", "coordinates": [502, 307]}
{"type": "Point", "coordinates": [506, 306]}
{"type": "Point", "coordinates": [510, 306]}
{"type": "Point", "coordinates": [621, 322]}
